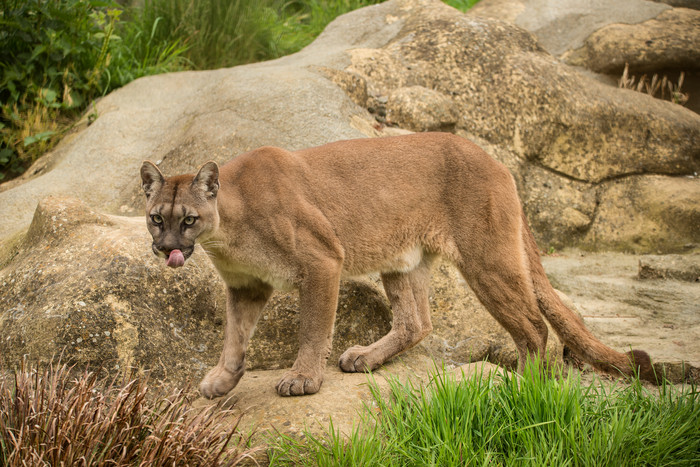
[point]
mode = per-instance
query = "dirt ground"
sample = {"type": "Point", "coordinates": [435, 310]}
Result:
{"type": "Point", "coordinates": [661, 316]}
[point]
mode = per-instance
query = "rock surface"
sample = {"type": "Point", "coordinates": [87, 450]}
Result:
{"type": "Point", "coordinates": [669, 41]}
{"type": "Point", "coordinates": [422, 109]}
{"type": "Point", "coordinates": [651, 213]}
{"type": "Point", "coordinates": [659, 316]}
{"type": "Point", "coordinates": [678, 267]}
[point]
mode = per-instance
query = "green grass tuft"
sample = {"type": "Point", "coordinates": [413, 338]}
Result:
{"type": "Point", "coordinates": [529, 420]}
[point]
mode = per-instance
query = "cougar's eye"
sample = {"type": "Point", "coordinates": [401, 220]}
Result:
{"type": "Point", "coordinates": [189, 220]}
{"type": "Point", "coordinates": [157, 219]}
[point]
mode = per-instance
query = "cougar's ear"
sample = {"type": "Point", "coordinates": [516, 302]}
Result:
{"type": "Point", "coordinates": [151, 178]}
{"type": "Point", "coordinates": [207, 179]}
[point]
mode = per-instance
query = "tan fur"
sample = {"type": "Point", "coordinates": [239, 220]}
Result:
{"type": "Point", "coordinates": [278, 219]}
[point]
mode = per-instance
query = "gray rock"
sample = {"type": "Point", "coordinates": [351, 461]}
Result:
{"type": "Point", "coordinates": [560, 209]}
{"type": "Point", "coordinates": [651, 213]}
{"type": "Point", "coordinates": [562, 25]}
{"type": "Point", "coordinates": [669, 41]}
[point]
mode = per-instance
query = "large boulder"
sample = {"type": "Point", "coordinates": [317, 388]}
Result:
{"type": "Point", "coordinates": [85, 287]}
{"type": "Point", "coordinates": [653, 213]}
{"type": "Point", "coordinates": [566, 136]}
{"type": "Point", "coordinates": [645, 38]}
{"type": "Point", "coordinates": [671, 40]}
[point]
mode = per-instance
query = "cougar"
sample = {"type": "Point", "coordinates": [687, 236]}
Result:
{"type": "Point", "coordinates": [275, 219]}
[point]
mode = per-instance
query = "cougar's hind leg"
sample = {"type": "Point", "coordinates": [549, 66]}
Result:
{"type": "Point", "coordinates": [498, 275]}
{"type": "Point", "coordinates": [408, 295]}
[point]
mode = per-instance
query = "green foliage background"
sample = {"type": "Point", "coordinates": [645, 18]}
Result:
{"type": "Point", "coordinates": [57, 56]}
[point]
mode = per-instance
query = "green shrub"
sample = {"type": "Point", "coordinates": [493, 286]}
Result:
{"type": "Point", "coordinates": [55, 57]}
{"type": "Point", "coordinates": [217, 32]}
{"type": "Point", "coordinates": [224, 33]}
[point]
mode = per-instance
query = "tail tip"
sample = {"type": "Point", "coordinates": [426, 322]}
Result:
{"type": "Point", "coordinates": [641, 365]}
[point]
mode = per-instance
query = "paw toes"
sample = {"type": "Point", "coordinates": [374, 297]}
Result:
{"type": "Point", "coordinates": [346, 364]}
{"type": "Point", "coordinates": [298, 385]}
{"type": "Point", "coordinates": [351, 362]}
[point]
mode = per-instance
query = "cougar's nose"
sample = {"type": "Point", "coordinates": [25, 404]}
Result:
{"type": "Point", "coordinates": [160, 250]}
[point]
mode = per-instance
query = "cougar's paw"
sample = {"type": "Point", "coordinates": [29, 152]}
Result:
{"type": "Point", "coordinates": [298, 384]}
{"type": "Point", "coordinates": [355, 360]}
{"type": "Point", "coordinates": [218, 382]}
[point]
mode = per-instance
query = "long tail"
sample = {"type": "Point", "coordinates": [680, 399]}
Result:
{"type": "Point", "coordinates": [571, 330]}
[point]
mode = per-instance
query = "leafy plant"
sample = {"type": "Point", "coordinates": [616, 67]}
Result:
{"type": "Point", "coordinates": [224, 33]}
{"type": "Point", "coordinates": [55, 57]}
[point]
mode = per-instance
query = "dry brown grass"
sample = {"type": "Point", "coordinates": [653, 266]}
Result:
{"type": "Point", "coordinates": [662, 88]}
{"type": "Point", "coordinates": [50, 417]}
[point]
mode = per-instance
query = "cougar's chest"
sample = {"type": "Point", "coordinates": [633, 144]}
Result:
{"type": "Point", "coordinates": [237, 272]}
{"type": "Point", "coordinates": [242, 275]}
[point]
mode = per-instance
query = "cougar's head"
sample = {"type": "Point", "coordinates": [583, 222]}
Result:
{"type": "Point", "coordinates": [179, 210]}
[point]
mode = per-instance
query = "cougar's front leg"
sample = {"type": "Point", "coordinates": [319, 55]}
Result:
{"type": "Point", "coordinates": [243, 307]}
{"type": "Point", "coordinates": [318, 300]}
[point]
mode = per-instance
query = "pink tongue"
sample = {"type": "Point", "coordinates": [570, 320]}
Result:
{"type": "Point", "coordinates": [176, 259]}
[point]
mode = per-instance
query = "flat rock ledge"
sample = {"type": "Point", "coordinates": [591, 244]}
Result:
{"type": "Point", "coordinates": [678, 267]}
